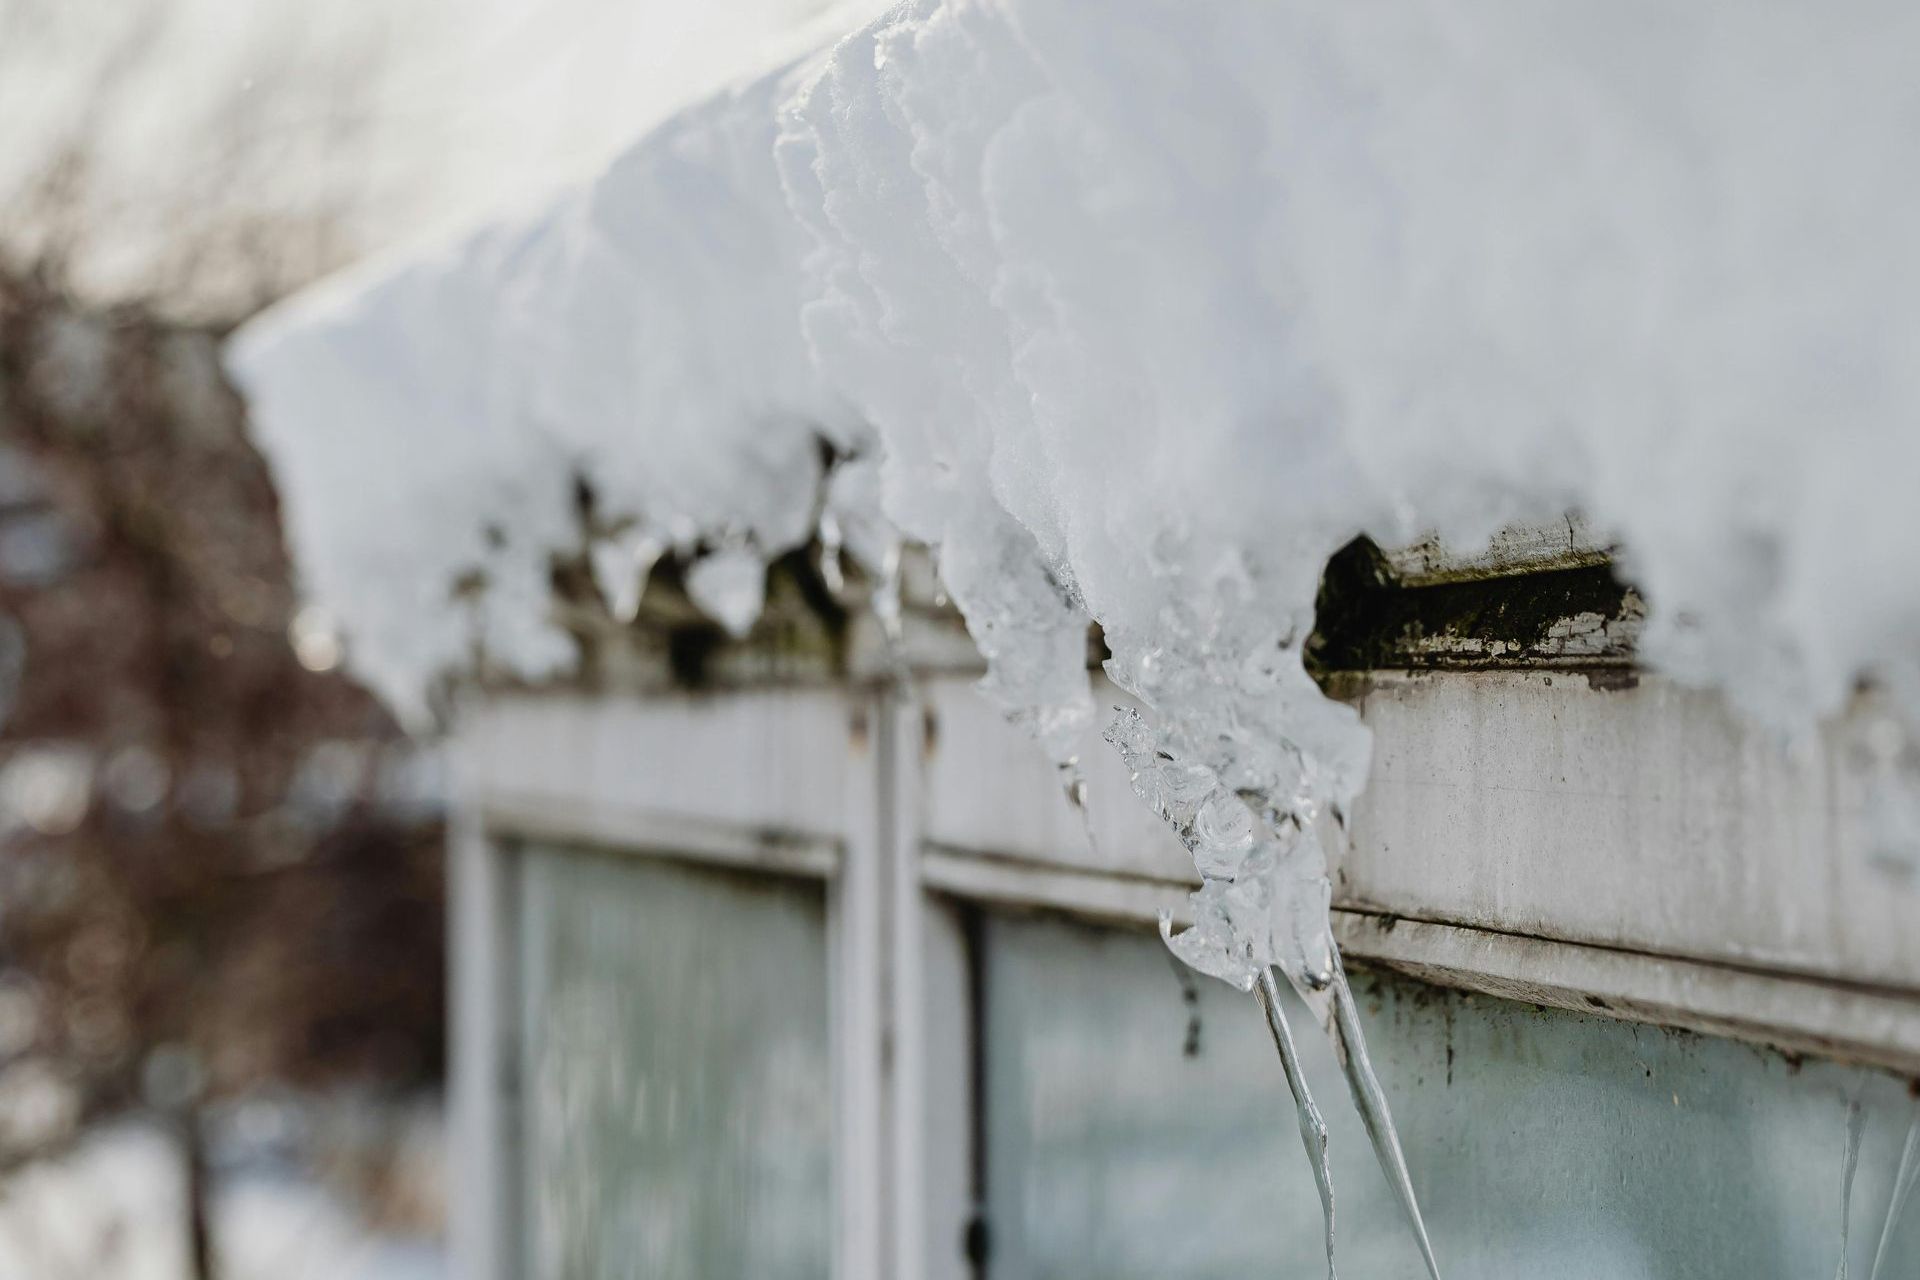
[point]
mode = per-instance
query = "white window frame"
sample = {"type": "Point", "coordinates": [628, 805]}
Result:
{"type": "Point", "coordinates": [894, 796]}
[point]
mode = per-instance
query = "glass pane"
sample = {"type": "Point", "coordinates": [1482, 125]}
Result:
{"type": "Point", "coordinates": [1134, 1132]}
{"type": "Point", "coordinates": [676, 1122]}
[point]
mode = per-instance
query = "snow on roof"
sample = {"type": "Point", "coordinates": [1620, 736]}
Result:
{"type": "Point", "coordinates": [1149, 307]}
{"type": "Point", "coordinates": [640, 334]}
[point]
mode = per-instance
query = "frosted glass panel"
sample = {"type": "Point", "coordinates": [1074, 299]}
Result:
{"type": "Point", "coordinates": [676, 1116]}
{"type": "Point", "coordinates": [1134, 1133]}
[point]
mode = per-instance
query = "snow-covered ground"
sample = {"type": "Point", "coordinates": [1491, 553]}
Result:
{"type": "Point", "coordinates": [111, 1209]}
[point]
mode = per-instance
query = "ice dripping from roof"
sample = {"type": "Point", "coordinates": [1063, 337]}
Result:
{"type": "Point", "coordinates": [1313, 1130]}
{"type": "Point", "coordinates": [1370, 1100]}
{"type": "Point", "coordinates": [1849, 1162]}
{"type": "Point", "coordinates": [620, 563]}
{"type": "Point", "coordinates": [1903, 1183]}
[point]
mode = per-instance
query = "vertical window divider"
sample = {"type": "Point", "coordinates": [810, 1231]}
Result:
{"type": "Point", "coordinates": [902, 743]}
{"type": "Point", "coordinates": [876, 922]}
{"type": "Point", "coordinates": [857, 1002]}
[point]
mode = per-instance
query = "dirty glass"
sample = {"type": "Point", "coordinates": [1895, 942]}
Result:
{"type": "Point", "coordinates": [675, 1115]}
{"type": "Point", "coordinates": [1138, 1126]}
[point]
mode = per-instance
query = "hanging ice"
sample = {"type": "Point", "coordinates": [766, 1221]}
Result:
{"type": "Point", "coordinates": [1262, 908]}
{"type": "Point", "coordinates": [620, 566]}
{"type": "Point", "coordinates": [1371, 1101]}
{"type": "Point", "coordinates": [730, 586]}
{"type": "Point", "coordinates": [1849, 1161]}
{"type": "Point", "coordinates": [1903, 1183]}
{"type": "Point", "coordinates": [1264, 892]}
{"type": "Point", "coordinates": [1313, 1130]}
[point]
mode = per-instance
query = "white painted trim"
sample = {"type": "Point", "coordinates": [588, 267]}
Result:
{"type": "Point", "coordinates": [990, 789]}
{"type": "Point", "coordinates": [1794, 1014]}
{"type": "Point", "coordinates": [1650, 824]}
{"type": "Point", "coordinates": [643, 832]}
{"type": "Point", "coordinates": [771, 760]}
{"type": "Point", "coordinates": [879, 1030]}
{"type": "Point", "coordinates": [1017, 882]}
{"type": "Point", "coordinates": [1649, 819]}
{"type": "Point", "coordinates": [900, 747]}
{"type": "Point", "coordinates": [1790, 1013]}
{"type": "Point", "coordinates": [856, 933]}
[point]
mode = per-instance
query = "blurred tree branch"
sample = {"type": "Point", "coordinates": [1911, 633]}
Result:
{"type": "Point", "coordinates": [198, 187]}
{"type": "Point", "coordinates": [205, 883]}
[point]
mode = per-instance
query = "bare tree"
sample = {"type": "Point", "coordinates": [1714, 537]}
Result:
{"type": "Point", "coordinates": [204, 883]}
{"type": "Point", "coordinates": [148, 162]}
{"type": "Point", "coordinates": [200, 891]}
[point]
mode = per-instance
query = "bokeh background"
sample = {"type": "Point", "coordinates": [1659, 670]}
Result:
{"type": "Point", "coordinates": [221, 902]}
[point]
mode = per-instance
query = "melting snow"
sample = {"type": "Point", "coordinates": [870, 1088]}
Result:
{"type": "Point", "coordinates": [1144, 309]}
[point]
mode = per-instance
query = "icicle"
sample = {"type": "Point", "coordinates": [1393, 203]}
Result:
{"type": "Point", "coordinates": [886, 594]}
{"type": "Point", "coordinates": [730, 586]}
{"type": "Point", "coordinates": [885, 603]}
{"type": "Point", "coordinates": [620, 566]}
{"type": "Point", "coordinates": [1263, 883]}
{"type": "Point", "coordinates": [1902, 1192]}
{"type": "Point", "coordinates": [1350, 1045]}
{"type": "Point", "coordinates": [1073, 781]}
{"type": "Point", "coordinates": [832, 572]}
{"type": "Point", "coordinates": [1313, 1130]}
{"type": "Point", "coordinates": [1856, 1125]}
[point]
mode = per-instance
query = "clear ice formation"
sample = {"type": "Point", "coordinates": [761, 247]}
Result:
{"type": "Point", "coordinates": [1264, 892]}
{"type": "Point", "coordinates": [1261, 909]}
{"type": "Point", "coordinates": [1313, 1130]}
{"type": "Point", "coordinates": [1371, 1102]}
{"type": "Point", "coordinates": [1903, 1183]}
{"type": "Point", "coordinates": [1849, 1162]}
